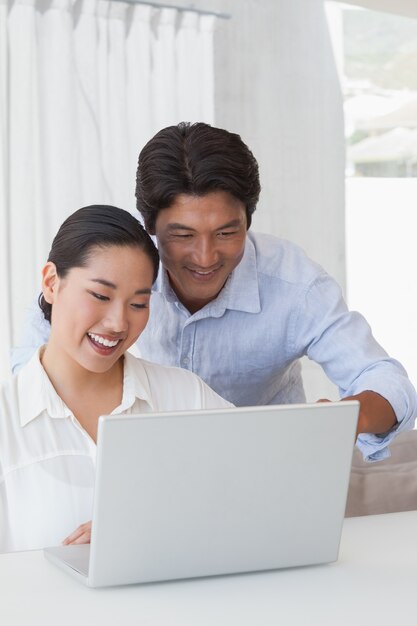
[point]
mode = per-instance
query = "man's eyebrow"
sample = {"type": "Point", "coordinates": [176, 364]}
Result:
{"type": "Point", "coordinates": [107, 283]}
{"type": "Point", "coordinates": [178, 226]}
{"type": "Point", "coordinates": [231, 224]}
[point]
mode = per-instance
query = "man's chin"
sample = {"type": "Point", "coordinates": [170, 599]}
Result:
{"type": "Point", "coordinates": [201, 297]}
{"type": "Point", "coordinates": [195, 294]}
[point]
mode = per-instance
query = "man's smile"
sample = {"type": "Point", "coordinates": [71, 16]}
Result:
{"type": "Point", "coordinates": [203, 275]}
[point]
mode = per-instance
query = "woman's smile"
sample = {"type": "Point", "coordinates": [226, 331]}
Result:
{"type": "Point", "coordinates": [103, 345]}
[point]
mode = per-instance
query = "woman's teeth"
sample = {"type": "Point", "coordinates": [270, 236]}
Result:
{"type": "Point", "coordinates": [104, 342]}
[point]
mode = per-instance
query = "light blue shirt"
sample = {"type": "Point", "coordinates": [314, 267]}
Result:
{"type": "Point", "coordinates": [276, 306]}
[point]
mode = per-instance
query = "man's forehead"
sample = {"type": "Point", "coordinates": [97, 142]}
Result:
{"type": "Point", "coordinates": [215, 210]}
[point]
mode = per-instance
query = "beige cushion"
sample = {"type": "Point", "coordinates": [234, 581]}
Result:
{"type": "Point", "coordinates": [385, 486]}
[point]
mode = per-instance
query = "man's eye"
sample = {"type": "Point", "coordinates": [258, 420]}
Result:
{"type": "Point", "coordinates": [182, 236]}
{"type": "Point", "coordinates": [99, 296]}
{"type": "Point", "coordinates": [227, 233]}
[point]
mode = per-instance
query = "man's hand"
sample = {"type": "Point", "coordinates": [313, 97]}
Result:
{"type": "Point", "coordinates": [81, 535]}
{"type": "Point", "coordinates": [376, 415]}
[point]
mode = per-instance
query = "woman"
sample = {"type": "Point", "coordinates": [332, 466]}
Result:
{"type": "Point", "coordinates": [96, 289]}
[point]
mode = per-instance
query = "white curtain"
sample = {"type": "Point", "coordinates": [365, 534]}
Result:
{"type": "Point", "coordinates": [5, 308]}
{"type": "Point", "coordinates": [83, 85]}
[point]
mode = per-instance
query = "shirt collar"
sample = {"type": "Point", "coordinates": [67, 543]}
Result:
{"type": "Point", "coordinates": [135, 383]}
{"type": "Point", "coordinates": [162, 285]}
{"type": "Point", "coordinates": [240, 293]}
{"type": "Point", "coordinates": [37, 394]}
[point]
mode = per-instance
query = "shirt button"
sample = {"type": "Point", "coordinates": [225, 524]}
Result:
{"type": "Point", "coordinates": [185, 361]}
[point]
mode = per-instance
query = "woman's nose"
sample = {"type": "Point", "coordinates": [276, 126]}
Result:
{"type": "Point", "coordinates": [116, 319]}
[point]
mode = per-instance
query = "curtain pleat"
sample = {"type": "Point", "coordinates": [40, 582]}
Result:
{"type": "Point", "coordinates": [188, 92]}
{"type": "Point", "coordinates": [164, 71]}
{"type": "Point", "coordinates": [206, 69]}
{"type": "Point", "coordinates": [138, 86]}
{"type": "Point", "coordinates": [5, 300]}
{"type": "Point", "coordinates": [93, 184]}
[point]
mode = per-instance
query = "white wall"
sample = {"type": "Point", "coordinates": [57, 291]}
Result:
{"type": "Point", "coordinates": [381, 233]}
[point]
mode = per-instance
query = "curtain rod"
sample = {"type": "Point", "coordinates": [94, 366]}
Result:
{"type": "Point", "coordinates": [158, 5]}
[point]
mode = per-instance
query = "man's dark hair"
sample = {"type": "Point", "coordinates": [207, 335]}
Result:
{"type": "Point", "coordinates": [96, 226]}
{"type": "Point", "coordinates": [194, 159]}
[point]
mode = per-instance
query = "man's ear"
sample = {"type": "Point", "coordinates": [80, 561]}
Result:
{"type": "Point", "coordinates": [50, 282]}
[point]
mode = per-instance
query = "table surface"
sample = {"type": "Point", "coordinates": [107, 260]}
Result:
{"type": "Point", "coordinates": [373, 582]}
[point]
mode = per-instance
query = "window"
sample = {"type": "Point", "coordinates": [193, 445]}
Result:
{"type": "Point", "coordinates": [376, 54]}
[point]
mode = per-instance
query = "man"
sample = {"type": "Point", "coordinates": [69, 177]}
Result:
{"type": "Point", "coordinates": [239, 308]}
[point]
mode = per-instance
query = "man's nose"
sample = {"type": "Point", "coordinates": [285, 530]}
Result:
{"type": "Point", "coordinates": [205, 253]}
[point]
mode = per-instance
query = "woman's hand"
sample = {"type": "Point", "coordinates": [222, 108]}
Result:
{"type": "Point", "coordinates": [81, 535]}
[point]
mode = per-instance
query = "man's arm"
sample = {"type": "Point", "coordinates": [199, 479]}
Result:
{"type": "Point", "coordinates": [341, 341]}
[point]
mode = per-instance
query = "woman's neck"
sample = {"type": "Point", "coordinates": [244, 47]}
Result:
{"type": "Point", "coordinates": [66, 374]}
{"type": "Point", "coordinates": [87, 394]}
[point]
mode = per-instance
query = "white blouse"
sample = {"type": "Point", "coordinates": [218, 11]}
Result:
{"type": "Point", "coordinates": [47, 460]}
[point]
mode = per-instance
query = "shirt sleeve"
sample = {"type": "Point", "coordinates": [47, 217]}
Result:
{"type": "Point", "coordinates": [341, 341]}
{"type": "Point", "coordinates": [35, 333]}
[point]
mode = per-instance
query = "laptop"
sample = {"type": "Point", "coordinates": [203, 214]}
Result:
{"type": "Point", "coordinates": [204, 493]}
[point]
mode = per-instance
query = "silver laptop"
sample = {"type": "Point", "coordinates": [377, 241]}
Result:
{"type": "Point", "coordinates": [181, 495]}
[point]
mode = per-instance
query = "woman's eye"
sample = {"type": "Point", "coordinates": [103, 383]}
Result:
{"type": "Point", "coordinates": [140, 306]}
{"type": "Point", "coordinates": [99, 296]}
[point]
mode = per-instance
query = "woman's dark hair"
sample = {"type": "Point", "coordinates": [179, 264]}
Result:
{"type": "Point", "coordinates": [98, 225]}
{"type": "Point", "coordinates": [194, 159]}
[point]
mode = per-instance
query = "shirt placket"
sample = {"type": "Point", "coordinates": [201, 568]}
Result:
{"type": "Point", "coordinates": [91, 443]}
{"type": "Point", "coordinates": [187, 345]}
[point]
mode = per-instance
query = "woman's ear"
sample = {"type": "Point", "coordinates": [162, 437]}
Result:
{"type": "Point", "coordinates": [50, 281]}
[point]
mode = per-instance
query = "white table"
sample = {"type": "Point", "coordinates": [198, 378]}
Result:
{"type": "Point", "coordinates": [373, 583]}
